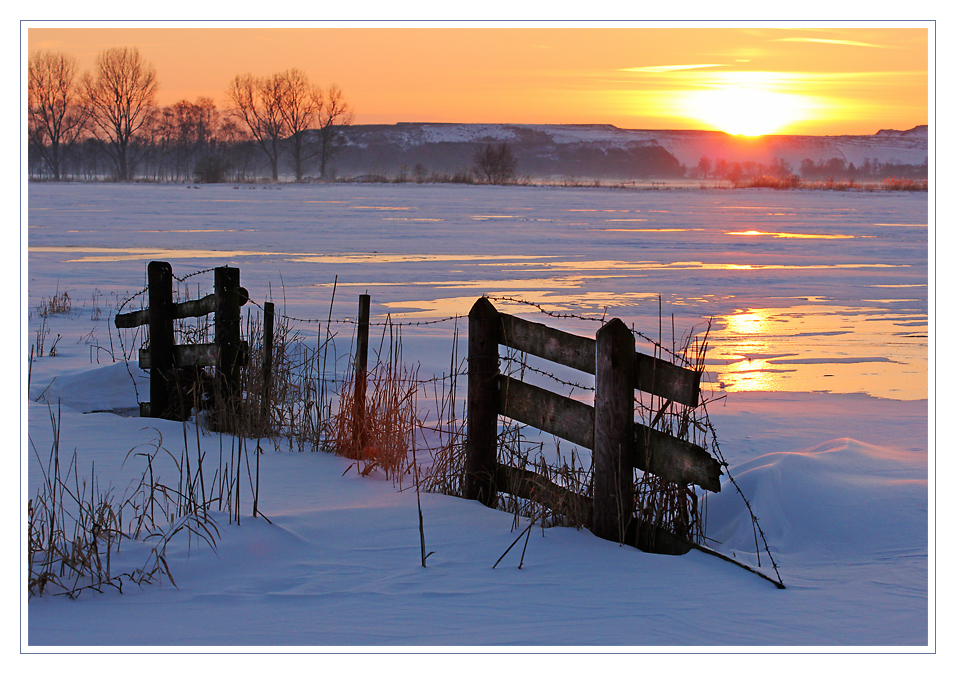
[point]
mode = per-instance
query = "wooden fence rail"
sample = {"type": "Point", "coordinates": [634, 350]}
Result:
{"type": "Point", "coordinates": [618, 443]}
{"type": "Point", "coordinates": [168, 361]}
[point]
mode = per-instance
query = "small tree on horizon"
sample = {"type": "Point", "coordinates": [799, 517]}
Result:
{"type": "Point", "coordinates": [495, 164]}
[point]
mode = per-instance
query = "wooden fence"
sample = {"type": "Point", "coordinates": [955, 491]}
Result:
{"type": "Point", "coordinates": [608, 429]}
{"type": "Point", "coordinates": [172, 366]}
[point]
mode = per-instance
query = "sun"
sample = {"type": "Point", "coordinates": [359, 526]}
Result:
{"type": "Point", "coordinates": [745, 110]}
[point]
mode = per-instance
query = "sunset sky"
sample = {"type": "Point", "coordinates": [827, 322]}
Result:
{"type": "Point", "coordinates": [795, 79]}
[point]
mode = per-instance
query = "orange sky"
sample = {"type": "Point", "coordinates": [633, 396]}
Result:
{"type": "Point", "coordinates": [820, 81]}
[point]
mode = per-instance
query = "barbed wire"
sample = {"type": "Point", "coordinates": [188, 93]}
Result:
{"type": "Point", "coordinates": [417, 323]}
{"type": "Point", "coordinates": [726, 466]}
{"type": "Point", "coordinates": [637, 333]}
{"type": "Point", "coordinates": [354, 321]}
{"type": "Point", "coordinates": [524, 366]}
{"type": "Point", "coordinates": [182, 279]}
{"type": "Point", "coordinates": [130, 299]}
{"type": "Point", "coordinates": [553, 314]}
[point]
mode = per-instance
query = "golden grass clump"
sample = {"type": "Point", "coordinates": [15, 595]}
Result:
{"type": "Point", "coordinates": [380, 433]}
{"type": "Point", "coordinates": [378, 419]}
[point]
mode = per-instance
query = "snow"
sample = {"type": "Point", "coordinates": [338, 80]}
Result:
{"type": "Point", "coordinates": [820, 347]}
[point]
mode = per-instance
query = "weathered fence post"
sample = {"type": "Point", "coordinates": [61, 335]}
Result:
{"type": "Point", "coordinates": [268, 331]}
{"type": "Point", "coordinates": [161, 380]}
{"type": "Point", "coordinates": [481, 446]}
{"type": "Point", "coordinates": [613, 430]}
{"type": "Point", "coordinates": [361, 373]}
{"type": "Point", "coordinates": [228, 320]}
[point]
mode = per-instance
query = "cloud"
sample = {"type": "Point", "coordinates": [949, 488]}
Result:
{"type": "Point", "coordinates": [849, 43]}
{"type": "Point", "coordinates": [667, 69]}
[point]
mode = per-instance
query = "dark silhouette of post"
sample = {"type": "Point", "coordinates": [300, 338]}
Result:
{"type": "Point", "coordinates": [361, 374]}
{"type": "Point", "coordinates": [481, 446]}
{"type": "Point", "coordinates": [228, 319]}
{"type": "Point", "coordinates": [613, 430]}
{"type": "Point", "coordinates": [162, 376]}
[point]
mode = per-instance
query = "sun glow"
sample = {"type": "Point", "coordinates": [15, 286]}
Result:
{"type": "Point", "coordinates": [746, 110]}
{"type": "Point", "coordinates": [749, 103]}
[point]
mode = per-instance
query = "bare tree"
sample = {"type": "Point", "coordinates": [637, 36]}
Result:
{"type": "Point", "coordinates": [301, 106]}
{"type": "Point", "coordinates": [119, 98]}
{"type": "Point", "coordinates": [334, 115]}
{"type": "Point", "coordinates": [236, 148]}
{"type": "Point", "coordinates": [495, 164]}
{"type": "Point", "coordinates": [207, 121]}
{"type": "Point", "coordinates": [191, 130]}
{"type": "Point", "coordinates": [55, 118]}
{"type": "Point", "coordinates": [257, 102]}
{"type": "Point", "coordinates": [160, 140]}
{"type": "Point", "coordinates": [281, 109]}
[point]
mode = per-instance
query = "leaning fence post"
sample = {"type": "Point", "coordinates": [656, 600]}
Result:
{"type": "Point", "coordinates": [613, 430]}
{"type": "Point", "coordinates": [481, 446]}
{"type": "Point", "coordinates": [268, 331]}
{"type": "Point", "coordinates": [161, 379]}
{"type": "Point", "coordinates": [361, 374]}
{"type": "Point", "coordinates": [227, 323]}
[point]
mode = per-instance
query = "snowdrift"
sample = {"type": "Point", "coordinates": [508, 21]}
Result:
{"type": "Point", "coordinates": [837, 500]}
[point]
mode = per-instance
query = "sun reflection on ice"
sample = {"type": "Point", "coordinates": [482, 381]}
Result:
{"type": "Point", "coordinates": [749, 323]}
{"type": "Point", "coordinates": [820, 348]}
{"type": "Point", "coordinates": [751, 375]}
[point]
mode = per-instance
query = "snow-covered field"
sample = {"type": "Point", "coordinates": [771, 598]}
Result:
{"type": "Point", "coordinates": [819, 308]}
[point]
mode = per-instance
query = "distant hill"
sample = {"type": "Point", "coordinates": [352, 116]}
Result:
{"type": "Point", "coordinates": [604, 151]}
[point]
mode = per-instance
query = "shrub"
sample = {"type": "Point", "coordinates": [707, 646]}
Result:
{"type": "Point", "coordinates": [495, 164]}
{"type": "Point", "coordinates": [775, 182]}
{"type": "Point", "coordinates": [211, 169]}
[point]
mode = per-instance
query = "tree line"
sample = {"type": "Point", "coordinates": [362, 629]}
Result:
{"type": "Point", "coordinates": [105, 124]}
{"type": "Point", "coordinates": [835, 168]}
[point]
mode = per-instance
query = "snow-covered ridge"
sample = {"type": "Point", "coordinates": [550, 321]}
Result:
{"type": "Point", "coordinates": [687, 146]}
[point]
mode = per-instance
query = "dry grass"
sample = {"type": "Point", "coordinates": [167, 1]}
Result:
{"type": "Point", "coordinates": [775, 182]}
{"type": "Point", "coordinates": [378, 430]}
{"type": "Point", "coordinates": [552, 494]}
{"type": "Point", "coordinates": [795, 182]}
{"type": "Point", "coordinates": [666, 505]}
{"type": "Point", "coordinates": [905, 184]}
{"type": "Point", "coordinates": [59, 304]}
{"type": "Point", "coordinates": [76, 527]}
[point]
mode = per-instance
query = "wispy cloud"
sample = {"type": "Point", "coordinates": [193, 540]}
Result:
{"type": "Point", "coordinates": [667, 69]}
{"type": "Point", "coordinates": [849, 43]}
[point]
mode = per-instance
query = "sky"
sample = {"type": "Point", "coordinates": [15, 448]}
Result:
{"type": "Point", "coordinates": [814, 79]}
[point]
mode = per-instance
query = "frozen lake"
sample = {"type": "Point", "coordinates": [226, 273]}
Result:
{"type": "Point", "coordinates": [808, 290]}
